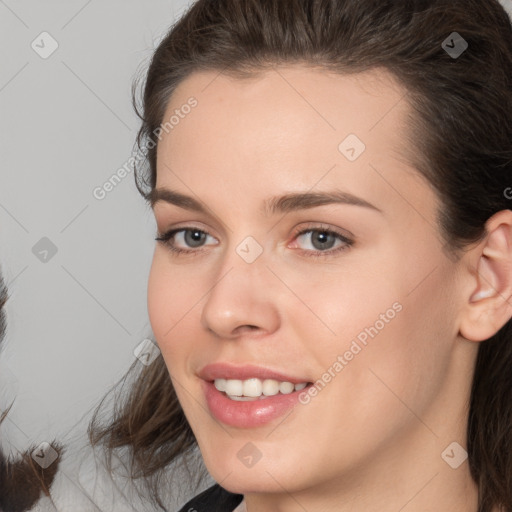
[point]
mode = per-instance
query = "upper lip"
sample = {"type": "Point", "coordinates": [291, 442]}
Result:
{"type": "Point", "coordinates": [226, 370]}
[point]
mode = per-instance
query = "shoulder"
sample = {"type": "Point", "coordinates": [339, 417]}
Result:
{"type": "Point", "coordinates": [213, 499]}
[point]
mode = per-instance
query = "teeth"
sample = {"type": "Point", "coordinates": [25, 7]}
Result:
{"type": "Point", "coordinates": [286, 387]}
{"type": "Point", "coordinates": [245, 390]}
{"type": "Point", "coordinates": [270, 387]}
{"type": "Point", "coordinates": [234, 387]}
{"type": "Point", "coordinates": [220, 384]}
{"type": "Point", "coordinates": [252, 387]}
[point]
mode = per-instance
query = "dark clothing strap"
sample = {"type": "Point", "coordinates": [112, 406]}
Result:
{"type": "Point", "coordinates": [213, 499]}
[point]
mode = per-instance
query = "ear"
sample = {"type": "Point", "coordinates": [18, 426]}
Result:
{"type": "Point", "coordinates": [488, 306]}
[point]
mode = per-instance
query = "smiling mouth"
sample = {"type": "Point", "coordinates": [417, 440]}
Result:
{"type": "Point", "coordinates": [256, 389]}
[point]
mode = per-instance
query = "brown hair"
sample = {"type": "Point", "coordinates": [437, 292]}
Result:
{"type": "Point", "coordinates": [460, 131]}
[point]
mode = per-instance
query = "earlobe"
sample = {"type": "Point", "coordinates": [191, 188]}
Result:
{"type": "Point", "coordinates": [489, 305]}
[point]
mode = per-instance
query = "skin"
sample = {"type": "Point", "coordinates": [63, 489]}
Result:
{"type": "Point", "coordinates": [372, 439]}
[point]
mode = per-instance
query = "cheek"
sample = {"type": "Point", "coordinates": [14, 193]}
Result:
{"type": "Point", "coordinates": [338, 303]}
{"type": "Point", "coordinates": [393, 324]}
{"type": "Point", "coordinates": [401, 363]}
{"type": "Point", "coordinates": [405, 360]}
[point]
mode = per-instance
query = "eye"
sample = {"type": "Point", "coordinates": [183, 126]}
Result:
{"type": "Point", "coordinates": [323, 241]}
{"type": "Point", "coordinates": [188, 236]}
{"type": "Point", "coordinates": [191, 240]}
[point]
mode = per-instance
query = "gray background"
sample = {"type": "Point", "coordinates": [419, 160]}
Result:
{"type": "Point", "coordinates": [66, 126]}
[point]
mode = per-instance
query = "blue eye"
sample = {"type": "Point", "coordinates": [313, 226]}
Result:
{"type": "Point", "coordinates": [323, 240]}
{"type": "Point", "coordinates": [192, 236]}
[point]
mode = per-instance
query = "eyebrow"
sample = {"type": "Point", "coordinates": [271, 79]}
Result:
{"type": "Point", "coordinates": [278, 204]}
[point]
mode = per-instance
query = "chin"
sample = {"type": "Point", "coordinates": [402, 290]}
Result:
{"type": "Point", "coordinates": [267, 475]}
{"type": "Point", "coordinates": [247, 482]}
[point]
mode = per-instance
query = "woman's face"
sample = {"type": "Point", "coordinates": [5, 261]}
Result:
{"type": "Point", "coordinates": [343, 284]}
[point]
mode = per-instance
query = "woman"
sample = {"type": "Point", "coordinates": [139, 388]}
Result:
{"type": "Point", "coordinates": [332, 280]}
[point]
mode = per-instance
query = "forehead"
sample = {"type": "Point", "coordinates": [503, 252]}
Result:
{"type": "Point", "coordinates": [288, 127]}
{"type": "Point", "coordinates": [325, 93]}
{"type": "Point", "coordinates": [284, 110]}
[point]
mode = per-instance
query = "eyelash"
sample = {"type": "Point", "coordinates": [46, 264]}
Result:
{"type": "Point", "coordinates": [166, 240]}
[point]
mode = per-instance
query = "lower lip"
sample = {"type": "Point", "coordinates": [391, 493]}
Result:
{"type": "Point", "coordinates": [247, 414]}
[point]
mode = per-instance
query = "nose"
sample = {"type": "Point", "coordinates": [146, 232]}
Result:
{"type": "Point", "coordinates": [242, 300]}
